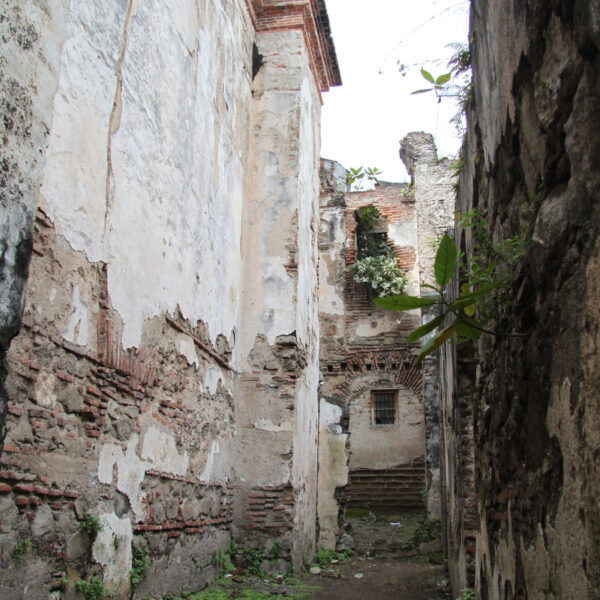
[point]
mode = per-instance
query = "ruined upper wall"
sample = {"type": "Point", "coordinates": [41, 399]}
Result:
{"type": "Point", "coordinates": [532, 168]}
{"type": "Point", "coordinates": [311, 17]}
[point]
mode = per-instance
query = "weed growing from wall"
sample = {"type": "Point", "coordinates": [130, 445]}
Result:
{"type": "Point", "coordinates": [252, 559]}
{"type": "Point", "coordinates": [275, 551]}
{"type": "Point", "coordinates": [92, 588]}
{"type": "Point", "coordinates": [91, 525]}
{"type": "Point", "coordinates": [221, 562]}
{"type": "Point", "coordinates": [491, 262]}
{"type": "Point", "coordinates": [140, 563]}
{"type": "Point", "coordinates": [233, 550]}
{"type": "Point", "coordinates": [455, 83]}
{"type": "Point", "coordinates": [21, 548]}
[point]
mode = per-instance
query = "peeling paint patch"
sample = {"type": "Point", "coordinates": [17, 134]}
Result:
{"type": "Point", "coordinates": [268, 425]}
{"type": "Point", "coordinates": [44, 390]}
{"type": "Point", "coordinates": [188, 349]}
{"type": "Point", "coordinates": [130, 471]}
{"type": "Point", "coordinates": [211, 380]}
{"type": "Point", "coordinates": [77, 331]}
{"type": "Point", "coordinates": [159, 448]}
{"type": "Point", "coordinates": [112, 549]}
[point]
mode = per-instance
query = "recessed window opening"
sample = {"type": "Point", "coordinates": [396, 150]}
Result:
{"type": "Point", "coordinates": [384, 407]}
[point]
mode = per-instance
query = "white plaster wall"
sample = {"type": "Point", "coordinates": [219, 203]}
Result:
{"type": "Point", "coordinates": [114, 556]}
{"type": "Point", "coordinates": [271, 218]}
{"type": "Point", "coordinates": [333, 237]}
{"type": "Point", "coordinates": [333, 472]}
{"type": "Point", "coordinates": [385, 446]}
{"type": "Point", "coordinates": [307, 306]}
{"type": "Point", "coordinates": [154, 185]}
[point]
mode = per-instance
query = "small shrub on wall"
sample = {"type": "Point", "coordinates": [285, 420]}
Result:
{"type": "Point", "coordinates": [382, 273]}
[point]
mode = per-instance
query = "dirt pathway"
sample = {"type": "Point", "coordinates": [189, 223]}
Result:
{"type": "Point", "coordinates": [381, 580]}
{"type": "Point", "coordinates": [396, 559]}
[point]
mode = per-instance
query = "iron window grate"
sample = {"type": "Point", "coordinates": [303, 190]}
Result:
{"type": "Point", "coordinates": [384, 405]}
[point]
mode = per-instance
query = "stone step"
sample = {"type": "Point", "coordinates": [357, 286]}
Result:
{"type": "Point", "coordinates": [397, 488]}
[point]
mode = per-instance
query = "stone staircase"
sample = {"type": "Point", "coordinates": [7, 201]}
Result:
{"type": "Point", "coordinates": [389, 490]}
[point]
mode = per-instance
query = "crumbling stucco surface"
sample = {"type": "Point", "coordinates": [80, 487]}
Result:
{"type": "Point", "coordinates": [531, 167]}
{"type": "Point", "coordinates": [30, 44]}
{"type": "Point", "coordinates": [363, 348]}
{"type": "Point", "coordinates": [144, 196]}
{"type": "Point", "coordinates": [135, 120]}
{"type": "Point", "coordinates": [433, 181]}
{"type": "Point", "coordinates": [278, 403]}
{"type": "Point", "coordinates": [333, 472]}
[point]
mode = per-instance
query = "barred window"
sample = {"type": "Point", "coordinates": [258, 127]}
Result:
{"type": "Point", "coordinates": [384, 407]}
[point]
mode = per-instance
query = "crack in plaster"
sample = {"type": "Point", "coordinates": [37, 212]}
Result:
{"type": "Point", "coordinates": [115, 116]}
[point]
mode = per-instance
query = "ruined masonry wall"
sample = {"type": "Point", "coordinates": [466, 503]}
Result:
{"type": "Point", "coordinates": [120, 384]}
{"type": "Point", "coordinates": [532, 167]}
{"type": "Point", "coordinates": [277, 400]}
{"type": "Point", "coordinates": [434, 192]}
{"type": "Point", "coordinates": [30, 43]}
{"type": "Point", "coordinates": [364, 348]}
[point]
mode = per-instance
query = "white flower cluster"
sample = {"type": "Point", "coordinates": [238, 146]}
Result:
{"type": "Point", "coordinates": [382, 273]}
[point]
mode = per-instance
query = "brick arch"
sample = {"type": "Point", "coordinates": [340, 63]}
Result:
{"type": "Point", "coordinates": [394, 365]}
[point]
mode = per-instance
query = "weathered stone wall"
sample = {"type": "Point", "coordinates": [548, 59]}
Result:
{"type": "Point", "coordinates": [121, 345]}
{"type": "Point", "coordinates": [433, 182]}
{"type": "Point", "coordinates": [123, 385]}
{"type": "Point", "coordinates": [30, 45]}
{"type": "Point", "coordinates": [532, 167]}
{"type": "Point", "coordinates": [278, 400]}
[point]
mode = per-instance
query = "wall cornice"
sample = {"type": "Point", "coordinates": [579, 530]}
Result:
{"type": "Point", "coordinates": [309, 16]}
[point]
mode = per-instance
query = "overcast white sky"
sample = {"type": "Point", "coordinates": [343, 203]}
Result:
{"type": "Point", "coordinates": [365, 118]}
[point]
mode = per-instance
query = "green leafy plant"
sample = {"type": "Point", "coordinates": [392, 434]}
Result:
{"type": "Point", "coordinates": [492, 262]}
{"type": "Point", "coordinates": [455, 83]}
{"type": "Point", "coordinates": [140, 563]}
{"type": "Point", "coordinates": [21, 548]}
{"type": "Point", "coordinates": [467, 594]}
{"type": "Point", "coordinates": [275, 551]}
{"type": "Point", "coordinates": [460, 311]}
{"type": "Point", "coordinates": [438, 84]}
{"type": "Point", "coordinates": [92, 589]}
{"type": "Point", "coordinates": [375, 263]}
{"type": "Point", "coordinates": [426, 531]}
{"type": "Point", "coordinates": [90, 524]}
{"type": "Point", "coordinates": [355, 178]}
{"type": "Point", "coordinates": [371, 233]}
{"type": "Point", "coordinates": [221, 562]}
{"type": "Point", "coordinates": [488, 275]}
{"type": "Point", "coordinates": [323, 558]}
{"type": "Point", "coordinates": [64, 583]}
{"type": "Point", "coordinates": [233, 549]}
{"type": "Point", "coordinates": [252, 559]}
